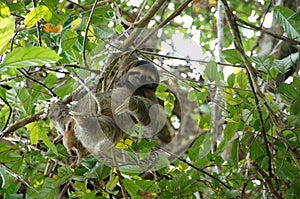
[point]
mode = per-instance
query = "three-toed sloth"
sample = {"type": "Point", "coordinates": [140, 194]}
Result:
{"type": "Point", "coordinates": [85, 128]}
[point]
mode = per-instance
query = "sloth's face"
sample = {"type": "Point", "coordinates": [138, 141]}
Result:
{"type": "Point", "coordinates": [143, 74]}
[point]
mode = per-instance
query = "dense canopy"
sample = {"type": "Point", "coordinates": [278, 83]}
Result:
{"type": "Point", "coordinates": [217, 98]}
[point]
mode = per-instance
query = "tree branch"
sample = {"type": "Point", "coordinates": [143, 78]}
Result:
{"type": "Point", "coordinates": [21, 123]}
{"type": "Point", "coordinates": [280, 37]}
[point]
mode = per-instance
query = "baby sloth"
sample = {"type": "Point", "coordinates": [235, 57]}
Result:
{"type": "Point", "coordinates": [71, 142]}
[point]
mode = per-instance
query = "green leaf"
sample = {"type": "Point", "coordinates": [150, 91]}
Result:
{"type": "Point", "coordinates": [247, 116]}
{"type": "Point", "coordinates": [27, 101]}
{"type": "Point", "coordinates": [235, 152]}
{"type": "Point", "coordinates": [6, 31]}
{"type": "Point", "coordinates": [283, 65]}
{"type": "Point", "coordinates": [198, 146]}
{"type": "Point", "coordinates": [230, 130]}
{"type": "Point", "coordinates": [263, 63]}
{"type": "Point", "coordinates": [288, 90]}
{"type": "Point", "coordinates": [293, 190]}
{"type": "Point", "coordinates": [283, 14]}
{"type": "Point", "coordinates": [294, 20]}
{"type": "Point", "coordinates": [193, 95]}
{"type": "Point", "coordinates": [242, 79]}
{"type": "Point", "coordinates": [64, 175]}
{"type": "Point", "coordinates": [131, 187]}
{"type": "Point", "coordinates": [119, 28]}
{"type": "Point", "coordinates": [169, 103]}
{"type": "Point", "coordinates": [33, 133]}
{"type": "Point", "coordinates": [68, 39]}
{"type": "Point", "coordinates": [35, 15]}
{"type": "Point", "coordinates": [103, 32]}
{"type": "Point", "coordinates": [48, 191]}
{"type": "Point", "coordinates": [66, 88]}
{"type": "Point", "coordinates": [51, 3]}
{"type": "Point", "coordinates": [295, 107]}
{"type": "Point", "coordinates": [30, 56]}
{"type": "Point", "coordinates": [96, 56]}
{"type": "Point", "coordinates": [47, 141]}
{"type": "Point", "coordinates": [232, 56]}
{"type": "Point", "coordinates": [257, 150]}
{"type": "Point", "coordinates": [152, 187]}
{"type": "Point", "coordinates": [211, 71]}
{"type": "Point", "coordinates": [231, 80]}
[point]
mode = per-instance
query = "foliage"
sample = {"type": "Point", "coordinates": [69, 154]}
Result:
{"type": "Point", "coordinates": [46, 45]}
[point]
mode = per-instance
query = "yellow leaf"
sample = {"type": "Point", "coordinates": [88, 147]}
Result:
{"type": "Point", "coordinates": [33, 132]}
{"type": "Point", "coordinates": [183, 166]}
{"type": "Point", "coordinates": [121, 145]}
{"type": "Point", "coordinates": [35, 15]}
{"type": "Point", "coordinates": [91, 34]}
{"type": "Point", "coordinates": [128, 142]}
{"type": "Point", "coordinates": [4, 10]}
{"type": "Point", "coordinates": [7, 28]}
{"type": "Point", "coordinates": [76, 23]}
{"type": "Point", "coordinates": [124, 144]}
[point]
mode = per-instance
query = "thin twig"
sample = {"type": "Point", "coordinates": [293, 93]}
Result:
{"type": "Point", "coordinates": [82, 68]}
{"type": "Point", "coordinates": [14, 36]}
{"type": "Point", "coordinates": [194, 167]}
{"type": "Point", "coordinates": [252, 77]}
{"type": "Point", "coordinates": [265, 13]}
{"type": "Point", "coordinates": [142, 6]}
{"type": "Point", "coordinates": [267, 179]}
{"type": "Point", "coordinates": [100, 4]}
{"type": "Point", "coordinates": [18, 177]}
{"type": "Point", "coordinates": [121, 184]}
{"type": "Point", "coordinates": [16, 76]}
{"type": "Point", "coordinates": [119, 16]}
{"type": "Point", "coordinates": [277, 36]}
{"type": "Point", "coordinates": [189, 59]}
{"type": "Point", "coordinates": [40, 83]}
{"type": "Point", "coordinates": [9, 114]}
{"type": "Point", "coordinates": [64, 189]}
{"type": "Point", "coordinates": [86, 34]}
